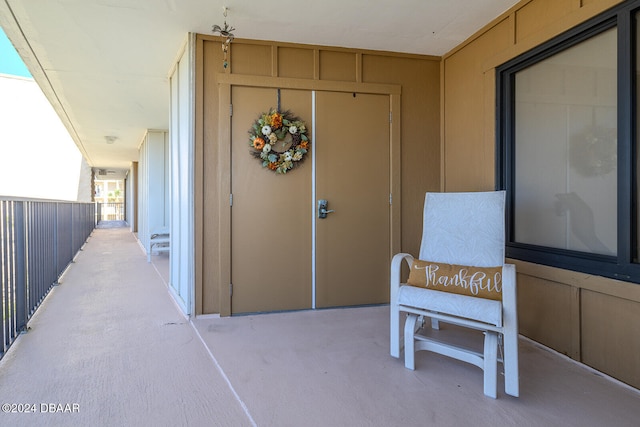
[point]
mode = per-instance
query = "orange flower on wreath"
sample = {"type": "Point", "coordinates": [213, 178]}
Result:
{"type": "Point", "coordinates": [304, 144]}
{"type": "Point", "coordinates": [258, 143]}
{"type": "Point", "coordinates": [276, 120]}
{"type": "Point", "coordinates": [273, 166]}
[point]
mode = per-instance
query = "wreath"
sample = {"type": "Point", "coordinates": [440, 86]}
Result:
{"type": "Point", "coordinates": [279, 140]}
{"type": "Point", "coordinates": [594, 153]}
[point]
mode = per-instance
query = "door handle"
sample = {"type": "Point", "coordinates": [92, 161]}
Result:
{"type": "Point", "coordinates": [322, 208]}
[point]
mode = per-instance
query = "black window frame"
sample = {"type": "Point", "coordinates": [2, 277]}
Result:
{"type": "Point", "coordinates": [622, 265]}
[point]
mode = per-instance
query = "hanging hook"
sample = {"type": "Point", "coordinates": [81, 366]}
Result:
{"type": "Point", "coordinates": [226, 29]}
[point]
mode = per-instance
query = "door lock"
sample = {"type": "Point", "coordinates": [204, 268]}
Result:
{"type": "Point", "coordinates": [322, 208]}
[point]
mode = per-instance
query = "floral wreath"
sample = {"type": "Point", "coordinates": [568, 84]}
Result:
{"type": "Point", "coordinates": [594, 153]}
{"type": "Point", "coordinates": [279, 140]}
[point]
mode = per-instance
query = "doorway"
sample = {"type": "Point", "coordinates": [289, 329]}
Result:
{"type": "Point", "coordinates": [283, 256]}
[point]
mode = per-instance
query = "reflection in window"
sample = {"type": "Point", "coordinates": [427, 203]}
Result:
{"type": "Point", "coordinates": [566, 149]}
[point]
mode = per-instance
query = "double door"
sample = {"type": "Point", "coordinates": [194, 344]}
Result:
{"type": "Point", "coordinates": [284, 255]}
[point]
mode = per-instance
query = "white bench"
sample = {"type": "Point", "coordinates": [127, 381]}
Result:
{"type": "Point", "coordinates": [466, 229]}
{"type": "Point", "coordinates": [159, 241]}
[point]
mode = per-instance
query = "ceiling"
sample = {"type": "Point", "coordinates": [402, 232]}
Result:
{"type": "Point", "coordinates": [104, 64]}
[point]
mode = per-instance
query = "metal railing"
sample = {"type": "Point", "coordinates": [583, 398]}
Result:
{"type": "Point", "coordinates": [38, 240]}
{"type": "Point", "coordinates": [110, 211]}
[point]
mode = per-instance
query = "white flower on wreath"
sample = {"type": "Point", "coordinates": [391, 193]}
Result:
{"type": "Point", "coordinates": [287, 156]}
{"type": "Point", "coordinates": [273, 138]}
{"type": "Point", "coordinates": [266, 130]}
{"type": "Point", "coordinates": [266, 148]}
{"type": "Point", "coordinates": [297, 157]}
{"type": "Point", "coordinates": [293, 130]}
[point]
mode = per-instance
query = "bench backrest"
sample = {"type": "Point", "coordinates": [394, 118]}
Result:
{"type": "Point", "coordinates": [464, 228]}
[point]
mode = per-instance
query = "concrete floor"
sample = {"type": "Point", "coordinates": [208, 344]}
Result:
{"type": "Point", "coordinates": [110, 342]}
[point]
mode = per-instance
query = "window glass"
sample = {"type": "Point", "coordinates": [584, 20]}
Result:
{"type": "Point", "coordinates": [565, 174]}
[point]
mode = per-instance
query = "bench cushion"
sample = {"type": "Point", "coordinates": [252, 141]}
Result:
{"type": "Point", "coordinates": [483, 310]}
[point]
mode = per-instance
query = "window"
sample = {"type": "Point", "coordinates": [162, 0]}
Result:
{"type": "Point", "coordinates": [567, 156]}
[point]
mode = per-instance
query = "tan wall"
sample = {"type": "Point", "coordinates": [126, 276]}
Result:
{"type": "Point", "coordinates": [448, 108]}
{"type": "Point", "coordinates": [589, 318]}
{"type": "Point", "coordinates": [284, 65]}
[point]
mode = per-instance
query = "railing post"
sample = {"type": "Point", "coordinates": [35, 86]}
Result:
{"type": "Point", "coordinates": [4, 275]}
{"type": "Point", "coordinates": [56, 243]}
{"type": "Point", "coordinates": [72, 230]}
{"type": "Point", "coordinates": [21, 268]}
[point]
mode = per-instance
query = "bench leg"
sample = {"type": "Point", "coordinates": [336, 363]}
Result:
{"type": "Point", "coordinates": [490, 363]}
{"type": "Point", "coordinates": [511, 375]}
{"type": "Point", "coordinates": [394, 323]}
{"type": "Point", "coordinates": [409, 341]}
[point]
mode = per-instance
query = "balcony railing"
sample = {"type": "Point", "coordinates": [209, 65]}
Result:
{"type": "Point", "coordinates": [38, 240]}
{"type": "Point", "coordinates": [110, 211]}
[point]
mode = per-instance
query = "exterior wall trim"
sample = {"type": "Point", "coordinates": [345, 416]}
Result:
{"type": "Point", "coordinates": [306, 84]}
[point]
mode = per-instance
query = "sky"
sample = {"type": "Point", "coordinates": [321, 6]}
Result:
{"type": "Point", "coordinates": [10, 61]}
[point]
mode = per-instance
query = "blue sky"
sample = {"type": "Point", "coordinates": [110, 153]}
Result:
{"type": "Point", "coordinates": [10, 61]}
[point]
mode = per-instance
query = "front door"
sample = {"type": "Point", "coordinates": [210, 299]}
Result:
{"type": "Point", "coordinates": [283, 257]}
{"type": "Point", "coordinates": [270, 214]}
{"type": "Point", "coordinates": [353, 175]}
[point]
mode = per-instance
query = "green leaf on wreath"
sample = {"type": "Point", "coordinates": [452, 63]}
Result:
{"type": "Point", "coordinates": [273, 158]}
{"type": "Point", "coordinates": [304, 137]}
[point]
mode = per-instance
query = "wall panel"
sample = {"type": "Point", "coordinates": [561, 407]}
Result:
{"type": "Point", "coordinates": [181, 182]}
{"type": "Point", "coordinates": [250, 59]}
{"type": "Point", "coordinates": [467, 153]}
{"type": "Point", "coordinates": [338, 66]}
{"type": "Point", "coordinates": [610, 341]}
{"type": "Point", "coordinates": [543, 314]}
{"type": "Point", "coordinates": [206, 288]}
{"type": "Point", "coordinates": [296, 63]}
{"type": "Point", "coordinates": [537, 15]}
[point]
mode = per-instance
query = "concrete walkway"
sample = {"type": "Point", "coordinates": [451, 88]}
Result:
{"type": "Point", "coordinates": [332, 368]}
{"type": "Point", "coordinates": [110, 348]}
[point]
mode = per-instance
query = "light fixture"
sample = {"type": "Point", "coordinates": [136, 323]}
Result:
{"type": "Point", "coordinates": [110, 139]}
{"type": "Point", "coordinates": [224, 31]}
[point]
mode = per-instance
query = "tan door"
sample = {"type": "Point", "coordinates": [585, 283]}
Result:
{"type": "Point", "coordinates": [273, 215]}
{"type": "Point", "coordinates": [353, 175]}
{"type": "Point", "coordinates": [271, 224]}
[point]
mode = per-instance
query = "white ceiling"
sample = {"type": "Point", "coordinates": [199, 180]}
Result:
{"type": "Point", "coordinates": [104, 64]}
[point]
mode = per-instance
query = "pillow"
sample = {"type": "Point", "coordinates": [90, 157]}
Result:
{"type": "Point", "coordinates": [482, 282]}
